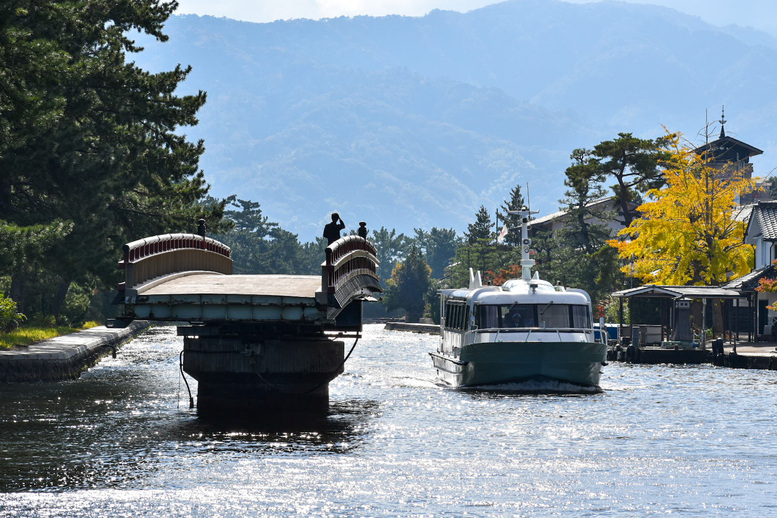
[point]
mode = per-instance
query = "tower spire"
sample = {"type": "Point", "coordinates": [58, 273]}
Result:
{"type": "Point", "coordinates": [723, 121]}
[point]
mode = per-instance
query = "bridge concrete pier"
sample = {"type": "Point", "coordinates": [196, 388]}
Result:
{"type": "Point", "coordinates": [240, 370]}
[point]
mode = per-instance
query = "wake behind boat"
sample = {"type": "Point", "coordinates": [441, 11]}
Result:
{"type": "Point", "coordinates": [526, 329]}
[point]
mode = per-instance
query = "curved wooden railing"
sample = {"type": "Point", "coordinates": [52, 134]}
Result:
{"type": "Point", "coordinates": [350, 271]}
{"type": "Point", "coordinates": [154, 256]}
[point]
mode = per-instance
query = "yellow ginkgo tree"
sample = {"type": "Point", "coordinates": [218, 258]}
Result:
{"type": "Point", "coordinates": [688, 233]}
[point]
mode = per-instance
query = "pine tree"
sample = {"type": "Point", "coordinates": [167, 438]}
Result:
{"type": "Point", "coordinates": [392, 248]}
{"type": "Point", "coordinates": [90, 139]}
{"type": "Point", "coordinates": [583, 227]}
{"type": "Point", "coordinates": [482, 229]}
{"type": "Point", "coordinates": [439, 245]}
{"type": "Point", "coordinates": [634, 163]}
{"type": "Point", "coordinates": [408, 286]}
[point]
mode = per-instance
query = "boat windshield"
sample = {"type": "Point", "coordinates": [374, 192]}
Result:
{"type": "Point", "coordinates": [555, 316]}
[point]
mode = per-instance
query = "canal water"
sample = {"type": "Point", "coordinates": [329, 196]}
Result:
{"type": "Point", "coordinates": [122, 441]}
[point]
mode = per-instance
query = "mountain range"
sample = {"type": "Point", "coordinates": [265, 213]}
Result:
{"type": "Point", "coordinates": [415, 122]}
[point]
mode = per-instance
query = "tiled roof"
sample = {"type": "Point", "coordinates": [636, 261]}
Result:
{"type": "Point", "coordinates": [743, 213]}
{"type": "Point", "coordinates": [726, 142]}
{"type": "Point", "coordinates": [563, 212]}
{"type": "Point", "coordinates": [765, 216]}
{"type": "Point", "coordinates": [689, 292]}
{"type": "Point", "coordinates": [750, 280]}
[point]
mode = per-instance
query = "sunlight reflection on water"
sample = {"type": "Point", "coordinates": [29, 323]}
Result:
{"type": "Point", "coordinates": [121, 441]}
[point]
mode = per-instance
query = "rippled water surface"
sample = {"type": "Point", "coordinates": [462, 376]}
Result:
{"type": "Point", "coordinates": [121, 441]}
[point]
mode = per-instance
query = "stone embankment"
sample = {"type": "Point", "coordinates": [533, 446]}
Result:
{"type": "Point", "coordinates": [432, 329]}
{"type": "Point", "coordinates": [64, 357]}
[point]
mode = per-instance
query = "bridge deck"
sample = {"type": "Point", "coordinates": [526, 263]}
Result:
{"type": "Point", "coordinates": [207, 296]}
{"type": "Point", "coordinates": [202, 283]}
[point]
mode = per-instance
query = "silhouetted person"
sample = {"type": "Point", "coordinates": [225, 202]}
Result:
{"type": "Point", "coordinates": [332, 230]}
{"type": "Point", "coordinates": [362, 231]}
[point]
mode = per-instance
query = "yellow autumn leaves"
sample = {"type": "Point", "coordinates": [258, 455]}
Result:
{"type": "Point", "coordinates": [688, 232]}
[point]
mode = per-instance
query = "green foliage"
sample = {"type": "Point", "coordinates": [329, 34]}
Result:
{"type": "Point", "coordinates": [75, 308]}
{"type": "Point", "coordinates": [392, 248]}
{"type": "Point", "coordinates": [90, 145]}
{"type": "Point", "coordinates": [634, 163]}
{"type": "Point", "coordinates": [439, 247]}
{"type": "Point", "coordinates": [484, 256]}
{"type": "Point", "coordinates": [260, 246]}
{"type": "Point", "coordinates": [612, 311]}
{"type": "Point", "coordinates": [24, 247]}
{"type": "Point", "coordinates": [482, 229]}
{"type": "Point", "coordinates": [577, 255]}
{"type": "Point", "coordinates": [10, 318]}
{"type": "Point", "coordinates": [408, 286]}
{"type": "Point", "coordinates": [33, 332]}
{"type": "Point", "coordinates": [583, 229]}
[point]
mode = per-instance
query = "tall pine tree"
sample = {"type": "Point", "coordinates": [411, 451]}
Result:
{"type": "Point", "coordinates": [482, 230]}
{"type": "Point", "coordinates": [634, 163]}
{"type": "Point", "coordinates": [90, 139]}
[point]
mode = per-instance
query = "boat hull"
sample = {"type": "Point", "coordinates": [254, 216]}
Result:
{"type": "Point", "coordinates": [494, 363]}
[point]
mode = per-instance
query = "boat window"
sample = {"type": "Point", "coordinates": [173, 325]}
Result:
{"type": "Point", "coordinates": [456, 316]}
{"type": "Point", "coordinates": [518, 315]}
{"type": "Point", "coordinates": [548, 315]}
{"type": "Point", "coordinates": [554, 316]}
{"type": "Point", "coordinates": [487, 317]}
{"type": "Point", "coordinates": [506, 315]}
{"type": "Point", "coordinates": [580, 317]}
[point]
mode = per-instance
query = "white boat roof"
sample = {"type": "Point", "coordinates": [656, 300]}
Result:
{"type": "Point", "coordinates": [519, 291]}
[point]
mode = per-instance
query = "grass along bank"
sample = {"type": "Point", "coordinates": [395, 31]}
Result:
{"type": "Point", "coordinates": [31, 334]}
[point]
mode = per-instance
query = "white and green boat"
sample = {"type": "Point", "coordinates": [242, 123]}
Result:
{"type": "Point", "coordinates": [526, 329]}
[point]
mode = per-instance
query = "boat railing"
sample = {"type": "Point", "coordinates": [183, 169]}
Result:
{"type": "Point", "coordinates": [530, 330]}
{"type": "Point", "coordinates": [542, 329]}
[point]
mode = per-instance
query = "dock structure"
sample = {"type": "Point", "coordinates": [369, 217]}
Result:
{"type": "Point", "coordinates": [254, 343]}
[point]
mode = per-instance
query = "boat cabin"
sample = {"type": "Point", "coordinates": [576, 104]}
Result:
{"type": "Point", "coordinates": [516, 305]}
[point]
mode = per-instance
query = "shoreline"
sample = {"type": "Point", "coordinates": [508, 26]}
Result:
{"type": "Point", "coordinates": [432, 329]}
{"type": "Point", "coordinates": [64, 357]}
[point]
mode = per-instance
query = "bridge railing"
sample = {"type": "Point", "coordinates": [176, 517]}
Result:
{"type": "Point", "coordinates": [154, 256]}
{"type": "Point", "coordinates": [350, 270]}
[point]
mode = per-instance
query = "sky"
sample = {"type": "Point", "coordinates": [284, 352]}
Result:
{"type": "Point", "coordinates": [759, 14]}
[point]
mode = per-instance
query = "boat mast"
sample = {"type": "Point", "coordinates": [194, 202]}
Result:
{"type": "Point", "coordinates": [526, 261]}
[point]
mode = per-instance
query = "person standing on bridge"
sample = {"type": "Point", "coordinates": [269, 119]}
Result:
{"type": "Point", "coordinates": [332, 230]}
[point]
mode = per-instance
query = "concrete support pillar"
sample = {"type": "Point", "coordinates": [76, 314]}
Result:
{"type": "Point", "coordinates": [246, 375]}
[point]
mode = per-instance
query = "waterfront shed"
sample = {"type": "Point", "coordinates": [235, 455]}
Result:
{"type": "Point", "coordinates": [669, 316]}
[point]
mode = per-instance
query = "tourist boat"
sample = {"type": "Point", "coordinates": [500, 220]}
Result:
{"type": "Point", "coordinates": [526, 329]}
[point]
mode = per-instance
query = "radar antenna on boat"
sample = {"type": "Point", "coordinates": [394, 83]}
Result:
{"type": "Point", "coordinates": [526, 261]}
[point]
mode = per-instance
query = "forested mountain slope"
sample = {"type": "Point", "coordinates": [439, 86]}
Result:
{"type": "Point", "coordinates": [415, 122]}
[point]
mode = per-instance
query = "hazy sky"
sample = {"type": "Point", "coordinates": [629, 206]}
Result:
{"type": "Point", "coordinates": [761, 14]}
